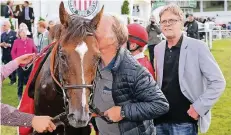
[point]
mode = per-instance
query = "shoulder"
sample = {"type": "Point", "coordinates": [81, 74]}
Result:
{"type": "Point", "coordinates": [195, 43]}
{"type": "Point", "coordinates": [3, 34]}
{"type": "Point", "coordinates": [161, 44]}
{"type": "Point", "coordinates": [13, 32]}
{"type": "Point", "coordinates": [17, 40]}
{"type": "Point", "coordinates": [30, 40]}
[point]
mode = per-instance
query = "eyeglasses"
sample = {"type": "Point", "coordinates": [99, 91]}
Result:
{"type": "Point", "coordinates": [170, 22]}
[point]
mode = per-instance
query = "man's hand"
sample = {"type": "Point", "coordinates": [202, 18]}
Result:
{"type": "Point", "coordinates": [7, 45]}
{"type": "Point", "coordinates": [114, 114]}
{"type": "Point", "coordinates": [3, 44]}
{"type": "Point", "coordinates": [42, 124]}
{"type": "Point", "coordinates": [192, 113]}
{"type": "Point", "coordinates": [25, 59]}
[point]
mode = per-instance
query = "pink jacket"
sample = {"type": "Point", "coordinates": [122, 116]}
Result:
{"type": "Point", "coordinates": [21, 47]}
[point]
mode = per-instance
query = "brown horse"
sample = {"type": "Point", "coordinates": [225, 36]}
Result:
{"type": "Point", "coordinates": [64, 81]}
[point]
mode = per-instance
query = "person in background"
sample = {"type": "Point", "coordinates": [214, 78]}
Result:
{"type": "Point", "coordinates": [24, 26]}
{"type": "Point", "coordinates": [8, 11]}
{"type": "Point", "coordinates": [43, 39]}
{"type": "Point", "coordinates": [10, 116]}
{"type": "Point", "coordinates": [50, 25]}
{"type": "Point", "coordinates": [27, 15]}
{"type": "Point", "coordinates": [188, 75]}
{"type": "Point", "coordinates": [18, 14]}
{"type": "Point", "coordinates": [192, 27]}
{"type": "Point", "coordinates": [22, 45]}
{"type": "Point", "coordinates": [153, 39]}
{"type": "Point", "coordinates": [7, 40]}
{"type": "Point", "coordinates": [137, 40]}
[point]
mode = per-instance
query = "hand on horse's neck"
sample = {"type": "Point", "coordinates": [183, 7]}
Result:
{"type": "Point", "coordinates": [107, 55]}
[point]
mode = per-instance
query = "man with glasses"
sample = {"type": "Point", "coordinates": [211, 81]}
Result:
{"type": "Point", "coordinates": [188, 75]}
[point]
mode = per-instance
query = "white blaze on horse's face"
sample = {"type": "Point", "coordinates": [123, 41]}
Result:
{"type": "Point", "coordinates": [82, 49]}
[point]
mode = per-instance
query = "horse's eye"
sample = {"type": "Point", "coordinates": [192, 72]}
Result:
{"type": "Point", "coordinates": [63, 57]}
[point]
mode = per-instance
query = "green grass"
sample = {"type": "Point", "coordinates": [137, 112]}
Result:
{"type": "Point", "coordinates": [221, 112]}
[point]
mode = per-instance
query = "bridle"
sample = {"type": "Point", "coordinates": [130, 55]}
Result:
{"type": "Point", "coordinates": [65, 87]}
{"type": "Point", "coordinates": [61, 119]}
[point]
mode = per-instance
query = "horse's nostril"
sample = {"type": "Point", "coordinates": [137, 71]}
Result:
{"type": "Point", "coordinates": [70, 116]}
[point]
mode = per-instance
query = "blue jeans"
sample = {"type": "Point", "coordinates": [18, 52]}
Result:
{"type": "Point", "coordinates": [177, 129]}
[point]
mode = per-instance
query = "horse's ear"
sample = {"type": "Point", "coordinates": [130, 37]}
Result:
{"type": "Point", "coordinates": [95, 21]}
{"type": "Point", "coordinates": [63, 15]}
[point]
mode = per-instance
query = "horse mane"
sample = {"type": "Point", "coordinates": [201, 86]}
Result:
{"type": "Point", "coordinates": [78, 28]}
{"type": "Point", "coordinates": [55, 32]}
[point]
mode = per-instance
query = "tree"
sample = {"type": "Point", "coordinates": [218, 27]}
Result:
{"type": "Point", "coordinates": [41, 19]}
{"type": "Point", "coordinates": [125, 8]}
{"type": "Point", "coordinates": [11, 24]}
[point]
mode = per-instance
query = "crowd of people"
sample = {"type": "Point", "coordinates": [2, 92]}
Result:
{"type": "Point", "coordinates": [164, 95]}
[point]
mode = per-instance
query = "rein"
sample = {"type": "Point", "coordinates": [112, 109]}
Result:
{"type": "Point", "coordinates": [39, 55]}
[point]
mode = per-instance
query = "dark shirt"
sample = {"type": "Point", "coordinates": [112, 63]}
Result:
{"type": "Point", "coordinates": [192, 30]}
{"type": "Point", "coordinates": [7, 37]}
{"type": "Point", "coordinates": [178, 103]}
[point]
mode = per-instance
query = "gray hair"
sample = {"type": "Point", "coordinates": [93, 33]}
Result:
{"type": "Point", "coordinates": [22, 30]}
{"type": "Point", "coordinates": [6, 22]}
{"type": "Point", "coordinates": [119, 29]}
{"type": "Point", "coordinates": [173, 8]}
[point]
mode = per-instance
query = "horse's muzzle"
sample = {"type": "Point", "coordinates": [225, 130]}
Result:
{"type": "Point", "coordinates": [78, 120]}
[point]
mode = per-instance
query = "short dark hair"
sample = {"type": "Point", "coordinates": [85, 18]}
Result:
{"type": "Point", "coordinates": [27, 2]}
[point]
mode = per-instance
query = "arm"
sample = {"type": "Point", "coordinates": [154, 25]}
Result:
{"type": "Point", "coordinates": [194, 28]}
{"type": "Point", "coordinates": [148, 29]}
{"type": "Point", "coordinates": [32, 14]}
{"type": "Point", "coordinates": [6, 11]}
{"type": "Point", "coordinates": [10, 116]}
{"type": "Point", "coordinates": [157, 29]}
{"type": "Point", "coordinates": [7, 69]}
{"type": "Point", "coordinates": [34, 47]}
{"type": "Point", "coordinates": [151, 101]}
{"type": "Point", "coordinates": [215, 81]}
{"type": "Point", "coordinates": [14, 50]}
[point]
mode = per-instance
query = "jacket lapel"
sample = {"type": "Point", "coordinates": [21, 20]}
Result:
{"type": "Point", "coordinates": [183, 54]}
{"type": "Point", "coordinates": [160, 63]}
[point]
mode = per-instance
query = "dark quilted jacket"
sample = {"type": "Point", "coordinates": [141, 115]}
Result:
{"type": "Point", "coordinates": [135, 90]}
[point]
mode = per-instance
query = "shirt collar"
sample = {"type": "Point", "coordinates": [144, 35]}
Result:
{"type": "Point", "coordinates": [109, 66]}
{"type": "Point", "coordinates": [139, 55]}
{"type": "Point", "coordinates": [44, 31]}
{"type": "Point", "coordinates": [178, 45]}
{"type": "Point", "coordinates": [8, 31]}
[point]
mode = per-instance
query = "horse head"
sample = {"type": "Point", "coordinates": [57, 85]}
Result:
{"type": "Point", "coordinates": [74, 63]}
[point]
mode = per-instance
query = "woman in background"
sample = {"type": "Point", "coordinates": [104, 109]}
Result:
{"type": "Point", "coordinates": [18, 13]}
{"type": "Point", "coordinates": [22, 45]}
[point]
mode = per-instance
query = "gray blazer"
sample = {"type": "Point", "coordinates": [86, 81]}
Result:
{"type": "Point", "coordinates": [43, 40]}
{"type": "Point", "coordinates": [201, 80]}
